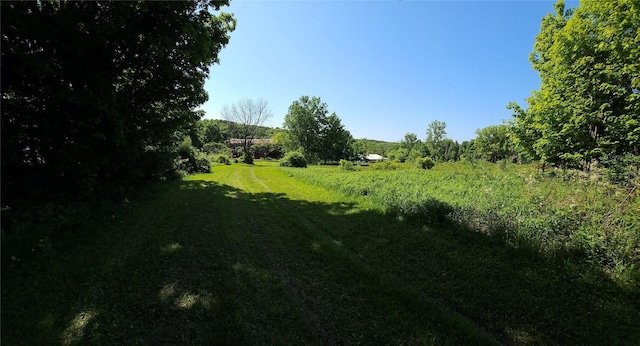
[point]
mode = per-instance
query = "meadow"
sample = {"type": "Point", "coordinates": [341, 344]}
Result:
{"type": "Point", "coordinates": [257, 254]}
{"type": "Point", "coordinates": [558, 213]}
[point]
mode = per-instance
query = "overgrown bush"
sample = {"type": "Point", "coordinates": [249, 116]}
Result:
{"type": "Point", "coordinates": [346, 165]}
{"type": "Point", "coordinates": [398, 155]}
{"type": "Point", "coordinates": [223, 159]}
{"type": "Point", "coordinates": [189, 160]}
{"type": "Point", "coordinates": [424, 163]}
{"type": "Point", "coordinates": [294, 159]}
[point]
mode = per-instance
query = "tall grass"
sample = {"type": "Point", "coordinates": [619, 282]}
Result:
{"type": "Point", "coordinates": [557, 213]}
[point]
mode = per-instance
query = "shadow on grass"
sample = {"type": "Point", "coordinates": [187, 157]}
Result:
{"type": "Point", "coordinates": [211, 264]}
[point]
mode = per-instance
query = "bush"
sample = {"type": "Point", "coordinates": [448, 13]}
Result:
{"type": "Point", "coordinates": [294, 159]}
{"type": "Point", "coordinates": [425, 163]}
{"type": "Point", "coordinates": [384, 166]}
{"type": "Point", "coordinates": [201, 165]}
{"type": "Point", "coordinates": [346, 165]}
{"type": "Point", "coordinates": [223, 159]}
{"type": "Point", "coordinates": [398, 155]}
{"type": "Point", "coordinates": [189, 160]}
{"type": "Point", "coordinates": [248, 158]}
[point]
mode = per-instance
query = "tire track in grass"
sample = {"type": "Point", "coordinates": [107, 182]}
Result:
{"type": "Point", "coordinates": [260, 274]}
{"type": "Point", "coordinates": [388, 292]}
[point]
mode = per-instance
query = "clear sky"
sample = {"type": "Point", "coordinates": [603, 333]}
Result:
{"type": "Point", "coordinates": [385, 67]}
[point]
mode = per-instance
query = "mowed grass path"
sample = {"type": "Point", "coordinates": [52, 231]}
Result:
{"type": "Point", "coordinates": [248, 255]}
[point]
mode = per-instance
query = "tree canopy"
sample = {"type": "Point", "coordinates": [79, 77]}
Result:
{"type": "Point", "coordinates": [98, 94]}
{"type": "Point", "coordinates": [438, 145]}
{"type": "Point", "coordinates": [493, 143]}
{"type": "Point", "coordinates": [321, 135]}
{"type": "Point", "coordinates": [588, 105]}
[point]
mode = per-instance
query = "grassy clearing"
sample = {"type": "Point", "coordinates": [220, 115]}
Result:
{"type": "Point", "coordinates": [247, 255]}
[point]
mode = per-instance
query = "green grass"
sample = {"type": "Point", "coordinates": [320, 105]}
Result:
{"type": "Point", "coordinates": [558, 213]}
{"type": "Point", "coordinates": [248, 255]}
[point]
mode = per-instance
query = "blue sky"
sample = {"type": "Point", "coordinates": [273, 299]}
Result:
{"type": "Point", "coordinates": [385, 67]}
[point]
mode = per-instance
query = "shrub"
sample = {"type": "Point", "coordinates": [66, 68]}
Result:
{"type": "Point", "coordinates": [294, 159]}
{"type": "Point", "coordinates": [384, 166]}
{"type": "Point", "coordinates": [248, 158]}
{"type": "Point", "coordinates": [223, 159]}
{"type": "Point", "coordinates": [189, 160]}
{"type": "Point", "coordinates": [398, 155]}
{"type": "Point", "coordinates": [425, 163]}
{"type": "Point", "coordinates": [201, 165]}
{"type": "Point", "coordinates": [346, 165]}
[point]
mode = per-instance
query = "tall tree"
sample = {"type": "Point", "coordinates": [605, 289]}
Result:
{"type": "Point", "coordinates": [449, 150]}
{"type": "Point", "coordinates": [435, 136]}
{"type": "Point", "coordinates": [436, 132]}
{"type": "Point", "coordinates": [98, 94]}
{"type": "Point", "coordinates": [321, 136]}
{"type": "Point", "coordinates": [248, 115]}
{"type": "Point", "coordinates": [588, 105]}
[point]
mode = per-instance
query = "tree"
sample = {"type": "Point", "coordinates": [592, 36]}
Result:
{"type": "Point", "coordinates": [493, 143]}
{"type": "Point", "coordinates": [321, 136]}
{"type": "Point", "coordinates": [467, 149]}
{"type": "Point", "coordinates": [98, 95]}
{"type": "Point", "coordinates": [449, 150]}
{"type": "Point", "coordinates": [588, 105]}
{"type": "Point", "coordinates": [435, 135]}
{"type": "Point", "coordinates": [436, 132]}
{"type": "Point", "coordinates": [410, 141]}
{"type": "Point", "coordinates": [248, 115]}
{"type": "Point", "coordinates": [370, 146]}
{"type": "Point", "coordinates": [335, 140]}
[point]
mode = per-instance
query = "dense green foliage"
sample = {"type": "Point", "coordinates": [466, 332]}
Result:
{"type": "Point", "coordinates": [223, 159]}
{"type": "Point", "coordinates": [558, 213]}
{"type": "Point", "coordinates": [493, 143]}
{"type": "Point", "coordinates": [190, 160]}
{"type": "Point", "coordinates": [370, 146]}
{"type": "Point", "coordinates": [321, 135]}
{"type": "Point", "coordinates": [424, 163]}
{"type": "Point", "coordinates": [268, 150]}
{"type": "Point", "coordinates": [98, 95]}
{"type": "Point", "coordinates": [588, 105]}
{"type": "Point", "coordinates": [346, 165]}
{"type": "Point", "coordinates": [294, 159]}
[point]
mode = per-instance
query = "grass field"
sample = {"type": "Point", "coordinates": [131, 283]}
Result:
{"type": "Point", "coordinates": [250, 255]}
{"type": "Point", "coordinates": [557, 213]}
